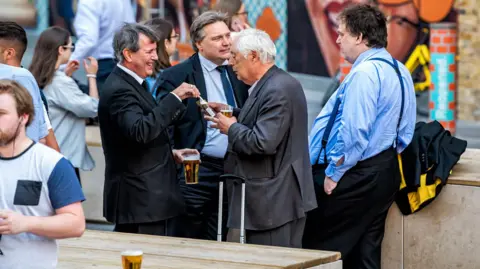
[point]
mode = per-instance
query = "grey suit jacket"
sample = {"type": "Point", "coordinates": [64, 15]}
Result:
{"type": "Point", "coordinates": [269, 147]}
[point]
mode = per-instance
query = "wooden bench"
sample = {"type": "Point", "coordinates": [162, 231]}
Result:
{"type": "Point", "coordinates": [96, 249]}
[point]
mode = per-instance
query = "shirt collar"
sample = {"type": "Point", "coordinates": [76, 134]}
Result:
{"type": "Point", "coordinates": [367, 54]}
{"type": "Point", "coordinates": [131, 73]}
{"type": "Point", "coordinates": [252, 87]}
{"type": "Point", "coordinates": [207, 64]}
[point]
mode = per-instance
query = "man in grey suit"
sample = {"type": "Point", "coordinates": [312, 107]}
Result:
{"type": "Point", "coordinates": [268, 146]}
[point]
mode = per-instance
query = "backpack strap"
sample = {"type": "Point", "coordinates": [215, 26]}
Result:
{"type": "Point", "coordinates": [394, 65]}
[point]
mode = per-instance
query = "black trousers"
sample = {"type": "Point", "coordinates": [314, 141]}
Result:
{"type": "Point", "coordinates": [162, 228]}
{"type": "Point", "coordinates": [288, 235]}
{"type": "Point", "coordinates": [201, 203]}
{"type": "Point", "coordinates": [352, 219]}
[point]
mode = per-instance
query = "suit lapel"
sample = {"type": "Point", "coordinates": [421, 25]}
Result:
{"type": "Point", "coordinates": [198, 78]}
{"type": "Point", "coordinates": [134, 83]}
{"type": "Point", "coordinates": [254, 94]}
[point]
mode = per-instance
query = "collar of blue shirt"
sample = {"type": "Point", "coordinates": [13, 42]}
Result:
{"type": "Point", "coordinates": [367, 55]}
{"type": "Point", "coordinates": [207, 64]}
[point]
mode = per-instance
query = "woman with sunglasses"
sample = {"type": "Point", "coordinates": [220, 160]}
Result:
{"type": "Point", "coordinates": [166, 47]}
{"type": "Point", "coordinates": [68, 105]}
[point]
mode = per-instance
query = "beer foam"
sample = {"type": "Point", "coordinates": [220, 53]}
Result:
{"type": "Point", "coordinates": [192, 157]}
{"type": "Point", "coordinates": [132, 253]}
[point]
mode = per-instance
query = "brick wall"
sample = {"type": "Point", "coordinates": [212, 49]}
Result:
{"type": "Point", "coordinates": [468, 96]}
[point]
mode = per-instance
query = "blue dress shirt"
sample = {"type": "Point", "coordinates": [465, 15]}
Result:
{"type": "Point", "coordinates": [38, 127]}
{"type": "Point", "coordinates": [366, 122]}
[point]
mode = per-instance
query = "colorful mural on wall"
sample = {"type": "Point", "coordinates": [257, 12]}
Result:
{"type": "Point", "coordinates": [313, 50]}
{"type": "Point", "coordinates": [303, 30]}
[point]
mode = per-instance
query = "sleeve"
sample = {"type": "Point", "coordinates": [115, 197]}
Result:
{"type": "Point", "coordinates": [63, 185]}
{"type": "Point", "coordinates": [87, 28]}
{"type": "Point", "coordinates": [137, 125]}
{"type": "Point", "coordinates": [357, 118]}
{"type": "Point", "coordinates": [47, 120]}
{"type": "Point", "coordinates": [39, 119]}
{"type": "Point", "coordinates": [71, 98]}
{"type": "Point", "coordinates": [272, 123]}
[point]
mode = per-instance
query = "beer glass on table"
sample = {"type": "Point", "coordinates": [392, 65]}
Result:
{"type": "Point", "coordinates": [227, 111]}
{"type": "Point", "coordinates": [191, 163]}
{"type": "Point", "coordinates": [132, 259]}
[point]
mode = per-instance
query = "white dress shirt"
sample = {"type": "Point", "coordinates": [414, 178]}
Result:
{"type": "Point", "coordinates": [96, 22]}
{"type": "Point", "coordinates": [139, 79]}
{"type": "Point", "coordinates": [131, 73]}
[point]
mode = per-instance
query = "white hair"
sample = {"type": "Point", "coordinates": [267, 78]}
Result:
{"type": "Point", "coordinates": [251, 39]}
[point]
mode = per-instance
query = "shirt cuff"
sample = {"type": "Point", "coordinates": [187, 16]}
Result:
{"type": "Point", "coordinates": [176, 96]}
{"type": "Point", "coordinates": [333, 172]}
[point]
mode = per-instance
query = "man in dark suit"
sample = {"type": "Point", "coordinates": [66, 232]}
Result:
{"type": "Point", "coordinates": [141, 191]}
{"type": "Point", "coordinates": [208, 70]}
{"type": "Point", "coordinates": [268, 146]}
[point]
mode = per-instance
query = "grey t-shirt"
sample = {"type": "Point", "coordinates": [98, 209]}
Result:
{"type": "Point", "coordinates": [35, 183]}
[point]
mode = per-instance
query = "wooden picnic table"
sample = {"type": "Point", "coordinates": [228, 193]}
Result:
{"type": "Point", "coordinates": [101, 250]}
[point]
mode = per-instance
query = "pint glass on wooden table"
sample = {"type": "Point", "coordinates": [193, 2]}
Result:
{"type": "Point", "coordinates": [191, 163]}
{"type": "Point", "coordinates": [227, 111]}
{"type": "Point", "coordinates": [132, 259]}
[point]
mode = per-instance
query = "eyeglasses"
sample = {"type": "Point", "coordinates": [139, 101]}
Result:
{"type": "Point", "coordinates": [72, 47]}
{"type": "Point", "coordinates": [242, 13]}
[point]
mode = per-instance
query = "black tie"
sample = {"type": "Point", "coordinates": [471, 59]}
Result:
{"type": "Point", "coordinates": [144, 85]}
{"type": "Point", "coordinates": [227, 87]}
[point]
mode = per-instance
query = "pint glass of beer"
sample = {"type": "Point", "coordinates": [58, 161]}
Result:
{"type": "Point", "coordinates": [227, 110]}
{"type": "Point", "coordinates": [191, 163]}
{"type": "Point", "coordinates": [132, 259]}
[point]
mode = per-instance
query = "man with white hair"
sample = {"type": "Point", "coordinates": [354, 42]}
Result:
{"type": "Point", "coordinates": [267, 145]}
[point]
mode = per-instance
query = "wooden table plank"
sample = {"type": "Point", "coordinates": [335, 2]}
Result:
{"type": "Point", "coordinates": [80, 258]}
{"type": "Point", "coordinates": [203, 250]}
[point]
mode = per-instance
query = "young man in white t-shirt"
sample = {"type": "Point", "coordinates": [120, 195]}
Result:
{"type": "Point", "coordinates": [40, 196]}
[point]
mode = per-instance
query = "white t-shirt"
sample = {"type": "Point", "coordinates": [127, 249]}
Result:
{"type": "Point", "coordinates": [35, 183]}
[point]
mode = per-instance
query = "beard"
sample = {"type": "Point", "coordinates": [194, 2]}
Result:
{"type": "Point", "coordinates": [6, 138]}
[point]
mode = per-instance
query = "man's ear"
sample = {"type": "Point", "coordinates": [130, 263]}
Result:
{"type": "Point", "coordinates": [127, 55]}
{"type": "Point", "coordinates": [10, 53]}
{"type": "Point", "coordinates": [359, 39]}
{"type": "Point", "coordinates": [254, 56]}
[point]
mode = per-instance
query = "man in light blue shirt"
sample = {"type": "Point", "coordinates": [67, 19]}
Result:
{"type": "Point", "coordinates": [95, 24]}
{"type": "Point", "coordinates": [13, 44]}
{"type": "Point", "coordinates": [355, 140]}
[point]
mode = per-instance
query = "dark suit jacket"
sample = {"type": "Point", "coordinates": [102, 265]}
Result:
{"type": "Point", "coordinates": [191, 130]}
{"type": "Point", "coordinates": [140, 173]}
{"type": "Point", "coordinates": [269, 147]}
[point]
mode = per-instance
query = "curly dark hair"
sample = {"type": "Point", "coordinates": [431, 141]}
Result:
{"type": "Point", "coordinates": [368, 21]}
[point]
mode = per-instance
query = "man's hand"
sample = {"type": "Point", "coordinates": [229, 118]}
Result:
{"type": "Point", "coordinates": [13, 222]}
{"type": "Point", "coordinates": [221, 122]}
{"type": "Point", "coordinates": [216, 107]}
{"type": "Point", "coordinates": [186, 90]}
{"type": "Point", "coordinates": [179, 153]}
{"type": "Point", "coordinates": [329, 185]}
{"type": "Point", "coordinates": [72, 66]}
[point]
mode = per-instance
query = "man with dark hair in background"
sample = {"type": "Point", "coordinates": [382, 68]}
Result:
{"type": "Point", "coordinates": [355, 140]}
